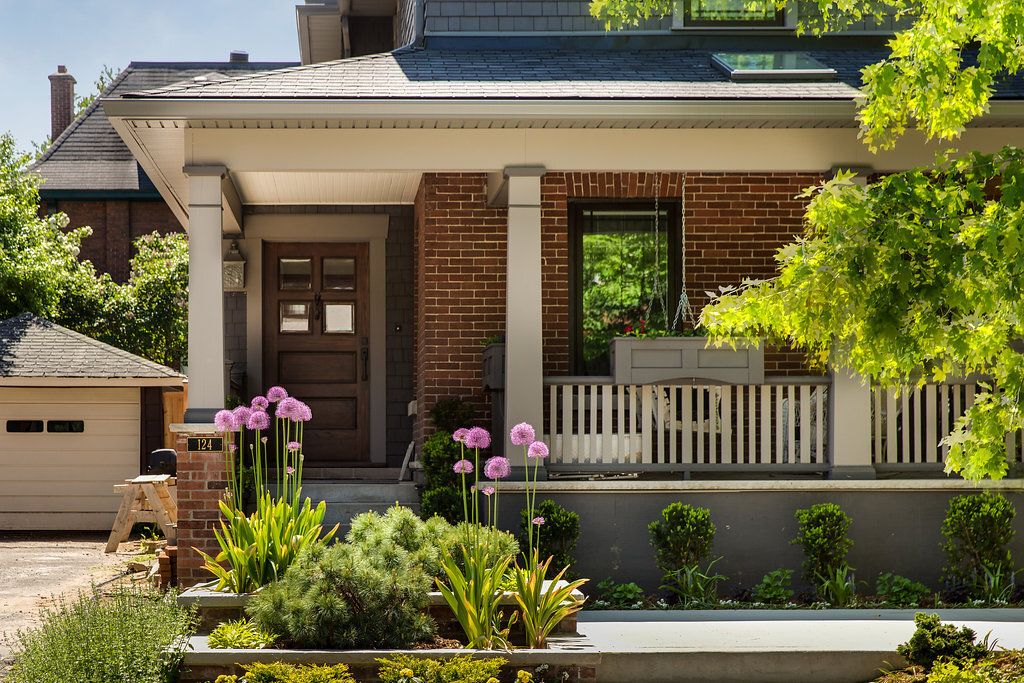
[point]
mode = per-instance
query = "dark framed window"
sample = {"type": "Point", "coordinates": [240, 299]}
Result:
{"type": "Point", "coordinates": [22, 426]}
{"type": "Point", "coordinates": [732, 13]}
{"type": "Point", "coordinates": [65, 426]}
{"type": "Point", "coordinates": [625, 263]}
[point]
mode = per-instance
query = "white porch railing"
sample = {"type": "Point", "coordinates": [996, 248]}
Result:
{"type": "Point", "coordinates": [908, 428]}
{"type": "Point", "coordinates": [779, 425]}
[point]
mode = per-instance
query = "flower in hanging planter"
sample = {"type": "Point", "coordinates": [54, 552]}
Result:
{"type": "Point", "coordinates": [260, 402]}
{"type": "Point", "coordinates": [294, 446]}
{"type": "Point", "coordinates": [258, 420]}
{"type": "Point", "coordinates": [522, 434]}
{"type": "Point", "coordinates": [538, 449]}
{"type": "Point", "coordinates": [538, 521]}
{"type": "Point", "coordinates": [497, 468]}
{"type": "Point", "coordinates": [241, 414]}
{"type": "Point", "coordinates": [460, 435]}
{"type": "Point", "coordinates": [224, 420]}
{"type": "Point", "coordinates": [463, 467]}
{"type": "Point", "coordinates": [478, 437]}
{"type": "Point", "coordinates": [276, 394]}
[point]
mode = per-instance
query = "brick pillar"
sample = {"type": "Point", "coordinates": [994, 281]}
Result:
{"type": "Point", "coordinates": [62, 101]}
{"type": "Point", "coordinates": [119, 241]}
{"type": "Point", "coordinates": [202, 479]}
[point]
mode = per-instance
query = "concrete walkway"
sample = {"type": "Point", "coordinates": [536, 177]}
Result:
{"type": "Point", "coordinates": [746, 646]}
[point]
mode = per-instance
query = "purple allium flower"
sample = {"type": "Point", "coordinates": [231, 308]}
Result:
{"type": "Point", "coordinates": [303, 413]}
{"type": "Point", "coordinates": [288, 407]}
{"type": "Point", "coordinates": [478, 437]}
{"type": "Point", "coordinates": [538, 520]}
{"type": "Point", "coordinates": [225, 421]}
{"type": "Point", "coordinates": [289, 471]}
{"type": "Point", "coordinates": [460, 435]}
{"type": "Point", "coordinates": [497, 468]}
{"type": "Point", "coordinates": [276, 394]}
{"type": "Point", "coordinates": [472, 488]}
{"type": "Point", "coordinates": [232, 448]}
{"type": "Point", "coordinates": [241, 414]}
{"type": "Point", "coordinates": [487, 490]}
{"type": "Point", "coordinates": [538, 449]}
{"type": "Point", "coordinates": [463, 467]}
{"type": "Point", "coordinates": [522, 434]}
{"type": "Point", "coordinates": [263, 439]}
{"type": "Point", "coordinates": [259, 403]}
{"type": "Point", "coordinates": [294, 446]}
{"type": "Point", "coordinates": [258, 420]}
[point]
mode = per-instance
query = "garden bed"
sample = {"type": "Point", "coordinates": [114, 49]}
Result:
{"type": "Point", "coordinates": [213, 607]}
{"type": "Point", "coordinates": [568, 658]}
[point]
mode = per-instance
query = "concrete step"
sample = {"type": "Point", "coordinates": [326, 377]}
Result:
{"type": "Point", "coordinates": [346, 498]}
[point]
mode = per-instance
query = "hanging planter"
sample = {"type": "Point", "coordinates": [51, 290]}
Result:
{"type": "Point", "coordinates": [667, 359]}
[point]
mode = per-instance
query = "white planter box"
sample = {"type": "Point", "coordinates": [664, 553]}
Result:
{"type": "Point", "coordinates": [686, 359]}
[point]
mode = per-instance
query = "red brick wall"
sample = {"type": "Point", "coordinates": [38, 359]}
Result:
{"type": "Point", "coordinates": [115, 226]}
{"type": "Point", "coordinates": [202, 479]}
{"type": "Point", "coordinates": [734, 223]}
{"type": "Point", "coordinates": [459, 289]}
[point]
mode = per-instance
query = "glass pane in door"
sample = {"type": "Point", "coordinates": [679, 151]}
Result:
{"type": "Point", "coordinates": [294, 317]}
{"type": "Point", "coordinates": [296, 273]}
{"type": "Point", "coordinates": [339, 317]}
{"type": "Point", "coordinates": [339, 273]}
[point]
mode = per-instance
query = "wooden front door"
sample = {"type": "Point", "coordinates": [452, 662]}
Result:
{"type": "Point", "coordinates": [316, 343]}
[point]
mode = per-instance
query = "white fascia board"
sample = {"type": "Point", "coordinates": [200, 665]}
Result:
{"type": "Point", "coordinates": [91, 381]}
{"type": "Point", "coordinates": [482, 109]}
{"type": "Point", "coordinates": [152, 169]}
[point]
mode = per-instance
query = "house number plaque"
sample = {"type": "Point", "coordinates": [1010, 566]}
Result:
{"type": "Point", "coordinates": [205, 444]}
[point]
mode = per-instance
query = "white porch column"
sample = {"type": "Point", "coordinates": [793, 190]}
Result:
{"type": "Point", "coordinates": [850, 426]}
{"type": "Point", "coordinates": [206, 389]}
{"type": "Point", "coordinates": [524, 370]}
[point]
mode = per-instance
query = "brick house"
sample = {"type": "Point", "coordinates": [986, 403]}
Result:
{"type": "Point", "coordinates": [395, 209]}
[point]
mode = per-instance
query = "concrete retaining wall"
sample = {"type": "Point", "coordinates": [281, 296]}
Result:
{"type": "Point", "coordinates": [895, 524]}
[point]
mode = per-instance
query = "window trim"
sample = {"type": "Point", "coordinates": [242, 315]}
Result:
{"type": "Point", "coordinates": [575, 209]}
{"type": "Point", "coordinates": [785, 19]}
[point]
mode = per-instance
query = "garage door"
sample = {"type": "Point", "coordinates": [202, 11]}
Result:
{"type": "Point", "coordinates": [61, 452]}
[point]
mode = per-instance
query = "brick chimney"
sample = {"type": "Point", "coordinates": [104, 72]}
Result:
{"type": "Point", "coordinates": [62, 101]}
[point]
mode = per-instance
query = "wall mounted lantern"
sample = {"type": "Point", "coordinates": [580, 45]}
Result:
{"type": "Point", "coordinates": [234, 270]}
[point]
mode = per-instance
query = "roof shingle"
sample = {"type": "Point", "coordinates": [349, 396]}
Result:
{"type": "Point", "coordinates": [33, 347]}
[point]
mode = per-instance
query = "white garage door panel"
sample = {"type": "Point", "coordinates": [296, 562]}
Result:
{"type": "Point", "coordinates": [85, 411]}
{"type": "Point", "coordinates": [87, 441]}
{"type": "Point", "coordinates": [54, 460]}
{"type": "Point", "coordinates": [105, 504]}
{"type": "Point", "coordinates": [67, 521]}
{"type": "Point", "coordinates": [70, 396]}
{"type": "Point", "coordinates": [60, 480]}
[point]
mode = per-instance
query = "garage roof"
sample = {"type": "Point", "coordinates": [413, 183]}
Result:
{"type": "Point", "coordinates": [32, 347]}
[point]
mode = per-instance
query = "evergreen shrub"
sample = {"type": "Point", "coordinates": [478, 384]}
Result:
{"type": "Point", "coordinates": [977, 529]}
{"type": "Point", "coordinates": [933, 641]}
{"type": "Point", "coordinates": [822, 536]}
{"type": "Point", "coordinates": [347, 597]}
{"type": "Point", "coordinates": [682, 537]}
{"type": "Point", "coordinates": [558, 534]}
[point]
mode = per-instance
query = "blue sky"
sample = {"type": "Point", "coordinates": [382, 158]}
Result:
{"type": "Point", "coordinates": [86, 35]}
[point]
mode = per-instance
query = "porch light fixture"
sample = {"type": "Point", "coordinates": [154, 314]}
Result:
{"type": "Point", "coordinates": [234, 270]}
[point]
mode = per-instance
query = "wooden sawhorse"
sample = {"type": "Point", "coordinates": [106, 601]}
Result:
{"type": "Point", "coordinates": [146, 499]}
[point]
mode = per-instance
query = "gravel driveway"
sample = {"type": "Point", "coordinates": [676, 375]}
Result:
{"type": "Point", "coordinates": [36, 568]}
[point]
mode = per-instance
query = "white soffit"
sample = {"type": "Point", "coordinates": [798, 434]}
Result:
{"type": "Point", "coordinates": [326, 187]}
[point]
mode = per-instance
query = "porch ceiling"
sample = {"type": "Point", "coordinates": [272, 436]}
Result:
{"type": "Point", "coordinates": [277, 187]}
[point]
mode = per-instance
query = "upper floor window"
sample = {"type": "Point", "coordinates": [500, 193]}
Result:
{"type": "Point", "coordinates": [727, 13]}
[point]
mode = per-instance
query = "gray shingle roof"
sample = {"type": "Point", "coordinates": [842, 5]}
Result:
{"type": "Point", "coordinates": [90, 155]}
{"type": "Point", "coordinates": [559, 74]}
{"type": "Point", "coordinates": [33, 347]}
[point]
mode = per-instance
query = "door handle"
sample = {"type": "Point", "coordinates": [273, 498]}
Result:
{"type": "Point", "coordinates": [365, 353]}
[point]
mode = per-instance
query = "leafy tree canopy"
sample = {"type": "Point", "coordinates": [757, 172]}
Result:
{"type": "Point", "coordinates": [919, 275]}
{"type": "Point", "coordinates": [942, 68]}
{"type": "Point", "coordinates": [40, 272]}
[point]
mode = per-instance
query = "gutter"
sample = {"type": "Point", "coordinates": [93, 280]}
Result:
{"type": "Point", "coordinates": [479, 109]}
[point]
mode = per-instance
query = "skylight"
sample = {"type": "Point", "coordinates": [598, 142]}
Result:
{"type": "Point", "coordinates": [771, 66]}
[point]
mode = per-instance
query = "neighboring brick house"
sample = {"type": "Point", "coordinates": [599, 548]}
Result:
{"type": "Point", "coordinates": [395, 209]}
